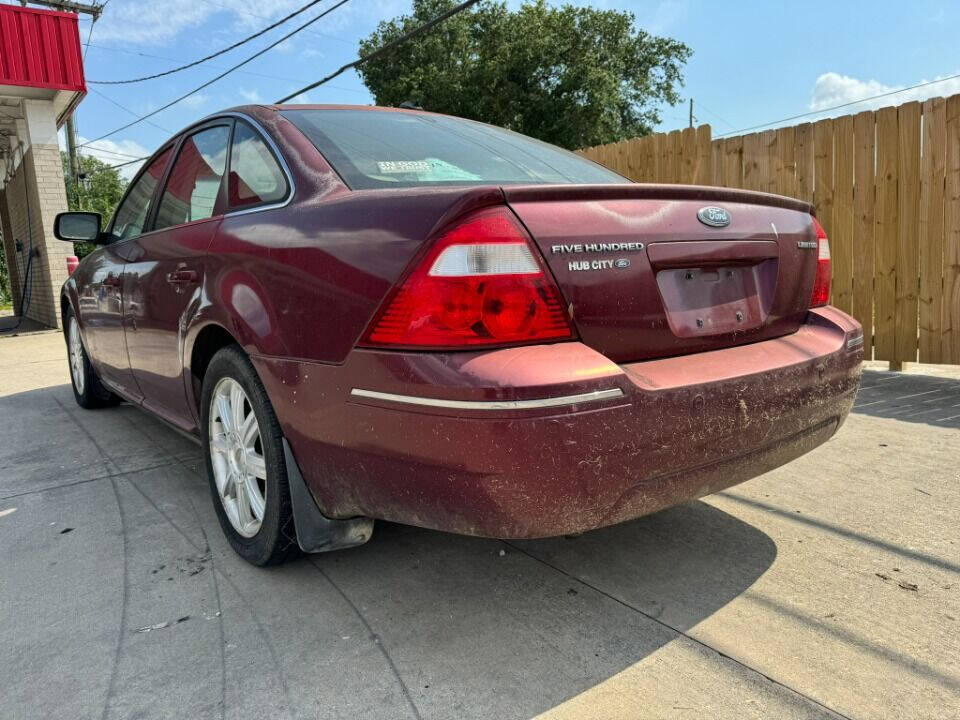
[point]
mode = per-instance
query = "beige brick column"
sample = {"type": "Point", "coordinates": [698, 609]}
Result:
{"type": "Point", "coordinates": [32, 212]}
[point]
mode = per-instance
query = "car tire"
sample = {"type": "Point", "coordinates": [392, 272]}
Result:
{"type": "Point", "coordinates": [88, 391]}
{"type": "Point", "coordinates": [255, 512]}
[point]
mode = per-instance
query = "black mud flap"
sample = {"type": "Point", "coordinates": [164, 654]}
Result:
{"type": "Point", "coordinates": [315, 531]}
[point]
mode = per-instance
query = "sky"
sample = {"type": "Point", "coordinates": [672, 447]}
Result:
{"type": "Point", "coordinates": [753, 62]}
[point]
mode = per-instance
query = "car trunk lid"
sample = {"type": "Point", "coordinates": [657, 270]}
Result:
{"type": "Point", "coordinates": [644, 277]}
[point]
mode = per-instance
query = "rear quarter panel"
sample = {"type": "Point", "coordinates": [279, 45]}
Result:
{"type": "Point", "coordinates": [303, 281]}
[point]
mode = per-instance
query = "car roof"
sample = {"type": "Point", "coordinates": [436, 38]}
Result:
{"type": "Point", "coordinates": [369, 108]}
{"type": "Point", "coordinates": [257, 111]}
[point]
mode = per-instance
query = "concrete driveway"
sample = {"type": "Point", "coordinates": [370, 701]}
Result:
{"type": "Point", "coordinates": [830, 587]}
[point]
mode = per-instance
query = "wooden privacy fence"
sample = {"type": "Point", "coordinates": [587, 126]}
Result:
{"type": "Point", "coordinates": [886, 188]}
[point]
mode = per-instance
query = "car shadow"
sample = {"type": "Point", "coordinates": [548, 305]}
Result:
{"type": "Point", "coordinates": [519, 627]}
{"type": "Point", "coordinates": [415, 623]}
{"type": "Point", "coordinates": [928, 399]}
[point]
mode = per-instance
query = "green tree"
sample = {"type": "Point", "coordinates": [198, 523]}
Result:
{"type": "Point", "coordinates": [572, 76]}
{"type": "Point", "coordinates": [4, 280]}
{"type": "Point", "coordinates": [100, 190]}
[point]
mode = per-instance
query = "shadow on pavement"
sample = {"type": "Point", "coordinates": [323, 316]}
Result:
{"type": "Point", "coordinates": [910, 397]}
{"type": "Point", "coordinates": [414, 623]}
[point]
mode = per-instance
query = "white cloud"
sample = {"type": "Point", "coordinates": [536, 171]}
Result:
{"type": "Point", "coordinates": [137, 23]}
{"type": "Point", "coordinates": [194, 101]}
{"type": "Point", "coordinates": [301, 99]}
{"type": "Point", "coordinates": [115, 153]}
{"type": "Point", "coordinates": [664, 17]}
{"type": "Point", "coordinates": [832, 89]}
{"type": "Point", "coordinates": [251, 96]}
{"type": "Point", "coordinates": [141, 23]}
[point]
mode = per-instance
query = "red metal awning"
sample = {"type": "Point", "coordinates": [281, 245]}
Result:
{"type": "Point", "coordinates": [40, 54]}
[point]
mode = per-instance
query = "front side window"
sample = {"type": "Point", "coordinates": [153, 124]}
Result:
{"type": "Point", "coordinates": [194, 183]}
{"type": "Point", "coordinates": [382, 149]}
{"type": "Point", "coordinates": [255, 176]}
{"type": "Point", "coordinates": [132, 213]}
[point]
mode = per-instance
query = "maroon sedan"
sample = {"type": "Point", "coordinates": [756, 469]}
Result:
{"type": "Point", "coordinates": [371, 313]}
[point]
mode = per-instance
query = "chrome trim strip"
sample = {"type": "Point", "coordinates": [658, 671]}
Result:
{"type": "Point", "coordinates": [283, 166]}
{"type": "Point", "coordinates": [854, 342]}
{"type": "Point", "coordinates": [490, 404]}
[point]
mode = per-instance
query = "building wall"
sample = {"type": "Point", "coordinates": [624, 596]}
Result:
{"type": "Point", "coordinates": [31, 213]}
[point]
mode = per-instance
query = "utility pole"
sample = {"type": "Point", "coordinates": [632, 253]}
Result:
{"type": "Point", "coordinates": [73, 161]}
{"type": "Point", "coordinates": [93, 11]}
{"type": "Point", "coordinates": [67, 6]}
{"type": "Point", "coordinates": [691, 112]}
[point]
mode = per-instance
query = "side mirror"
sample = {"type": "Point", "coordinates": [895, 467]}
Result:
{"type": "Point", "coordinates": [77, 227]}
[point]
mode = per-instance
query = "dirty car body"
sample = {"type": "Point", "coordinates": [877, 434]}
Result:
{"type": "Point", "coordinates": [463, 329]}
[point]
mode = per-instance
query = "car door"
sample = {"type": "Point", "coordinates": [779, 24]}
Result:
{"type": "Point", "coordinates": [164, 274]}
{"type": "Point", "coordinates": [101, 297]}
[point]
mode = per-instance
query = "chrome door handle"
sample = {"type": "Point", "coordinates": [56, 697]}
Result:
{"type": "Point", "coordinates": [182, 277]}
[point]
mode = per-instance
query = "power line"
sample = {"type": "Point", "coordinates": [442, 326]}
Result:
{"type": "Point", "coordinates": [127, 110]}
{"type": "Point", "coordinates": [129, 162]}
{"type": "Point", "coordinates": [721, 119]}
{"type": "Point", "coordinates": [223, 74]}
{"type": "Point", "coordinates": [841, 105]}
{"type": "Point", "coordinates": [217, 67]}
{"type": "Point", "coordinates": [265, 17]}
{"type": "Point", "coordinates": [208, 57]}
{"type": "Point", "coordinates": [93, 22]}
{"type": "Point", "coordinates": [386, 48]}
{"type": "Point", "coordinates": [106, 167]}
{"type": "Point", "coordinates": [91, 151]}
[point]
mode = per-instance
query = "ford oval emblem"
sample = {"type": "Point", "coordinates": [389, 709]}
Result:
{"type": "Point", "coordinates": [621, 263]}
{"type": "Point", "coordinates": [714, 216]}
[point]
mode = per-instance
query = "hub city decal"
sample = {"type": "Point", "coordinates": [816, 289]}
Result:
{"type": "Point", "coordinates": [599, 264]}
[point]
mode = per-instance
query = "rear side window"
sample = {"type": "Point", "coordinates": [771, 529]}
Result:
{"type": "Point", "coordinates": [194, 183]}
{"type": "Point", "coordinates": [132, 213]}
{"type": "Point", "coordinates": [383, 149]}
{"type": "Point", "coordinates": [255, 176]}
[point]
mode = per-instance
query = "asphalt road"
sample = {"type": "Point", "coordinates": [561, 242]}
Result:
{"type": "Point", "coordinates": [829, 587]}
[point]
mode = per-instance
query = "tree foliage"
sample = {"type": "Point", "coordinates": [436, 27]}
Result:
{"type": "Point", "coordinates": [572, 76]}
{"type": "Point", "coordinates": [4, 280]}
{"type": "Point", "coordinates": [100, 191]}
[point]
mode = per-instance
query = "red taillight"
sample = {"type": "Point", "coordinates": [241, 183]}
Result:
{"type": "Point", "coordinates": [481, 283]}
{"type": "Point", "coordinates": [821, 282]}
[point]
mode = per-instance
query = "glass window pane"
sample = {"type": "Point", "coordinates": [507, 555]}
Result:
{"type": "Point", "coordinates": [132, 214]}
{"type": "Point", "coordinates": [194, 183]}
{"type": "Point", "coordinates": [255, 177]}
{"type": "Point", "coordinates": [378, 149]}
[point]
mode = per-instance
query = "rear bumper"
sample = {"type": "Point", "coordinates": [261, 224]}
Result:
{"type": "Point", "coordinates": [556, 439]}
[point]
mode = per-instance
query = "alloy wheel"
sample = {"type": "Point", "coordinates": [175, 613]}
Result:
{"type": "Point", "coordinates": [75, 347]}
{"type": "Point", "coordinates": [236, 456]}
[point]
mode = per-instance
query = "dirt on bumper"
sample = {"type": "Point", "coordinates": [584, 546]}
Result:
{"type": "Point", "coordinates": [684, 428]}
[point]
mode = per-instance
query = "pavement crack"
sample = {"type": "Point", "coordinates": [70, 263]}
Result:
{"type": "Point", "coordinates": [216, 593]}
{"type": "Point", "coordinates": [378, 641]}
{"type": "Point", "coordinates": [677, 631]}
{"type": "Point", "coordinates": [73, 483]}
{"type": "Point", "coordinates": [233, 586]}
{"type": "Point", "coordinates": [113, 473]}
{"type": "Point", "coordinates": [124, 602]}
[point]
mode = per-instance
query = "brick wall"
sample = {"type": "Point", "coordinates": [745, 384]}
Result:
{"type": "Point", "coordinates": [31, 212]}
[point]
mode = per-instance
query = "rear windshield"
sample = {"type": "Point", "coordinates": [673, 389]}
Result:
{"type": "Point", "coordinates": [372, 149]}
